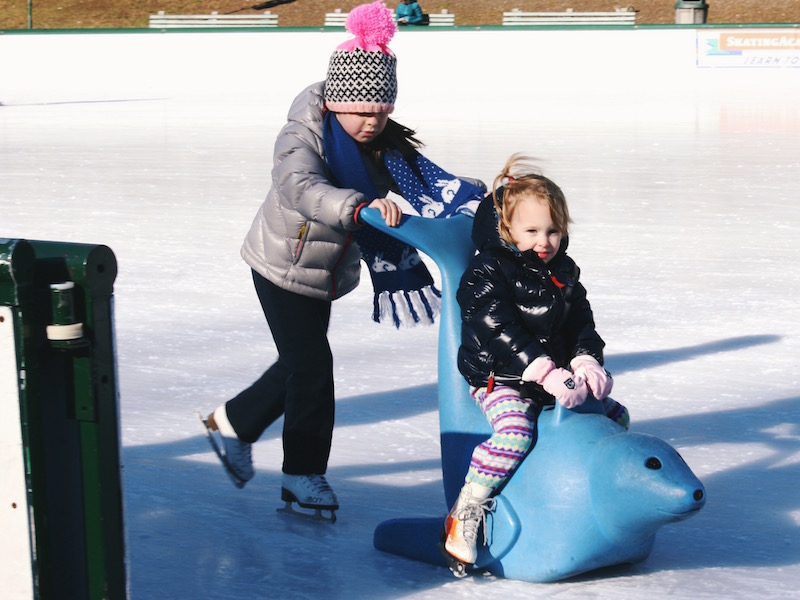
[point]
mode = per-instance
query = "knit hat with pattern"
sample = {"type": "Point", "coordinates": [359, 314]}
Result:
{"type": "Point", "coordinates": [362, 72]}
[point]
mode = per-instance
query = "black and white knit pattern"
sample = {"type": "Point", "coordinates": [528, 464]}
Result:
{"type": "Point", "coordinates": [361, 81]}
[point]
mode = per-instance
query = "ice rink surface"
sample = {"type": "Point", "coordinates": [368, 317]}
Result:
{"type": "Point", "coordinates": [683, 186]}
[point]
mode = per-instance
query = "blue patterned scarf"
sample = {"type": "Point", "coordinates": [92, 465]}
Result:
{"type": "Point", "coordinates": [402, 284]}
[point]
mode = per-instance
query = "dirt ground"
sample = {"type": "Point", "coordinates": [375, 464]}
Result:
{"type": "Point", "coordinates": [82, 14]}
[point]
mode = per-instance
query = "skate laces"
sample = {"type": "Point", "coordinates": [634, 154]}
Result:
{"type": "Point", "coordinates": [472, 515]}
{"type": "Point", "coordinates": [313, 489]}
{"type": "Point", "coordinates": [318, 485]}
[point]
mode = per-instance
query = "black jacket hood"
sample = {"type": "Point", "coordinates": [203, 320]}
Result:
{"type": "Point", "coordinates": [485, 234]}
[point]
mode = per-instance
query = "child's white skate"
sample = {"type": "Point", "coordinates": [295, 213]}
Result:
{"type": "Point", "coordinates": [312, 492]}
{"type": "Point", "coordinates": [460, 533]}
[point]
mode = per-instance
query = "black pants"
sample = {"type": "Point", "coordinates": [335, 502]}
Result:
{"type": "Point", "coordinates": [299, 385]}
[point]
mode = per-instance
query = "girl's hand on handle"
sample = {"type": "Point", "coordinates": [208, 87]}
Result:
{"type": "Point", "coordinates": [597, 378]}
{"type": "Point", "coordinates": [570, 390]}
{"type": "Point", "coordinates": [389, 211]}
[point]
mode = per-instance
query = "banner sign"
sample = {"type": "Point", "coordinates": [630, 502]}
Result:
{"type": "Point", "coordinates": [748, 48]}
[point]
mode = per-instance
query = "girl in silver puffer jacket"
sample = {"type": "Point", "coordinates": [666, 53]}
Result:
{"type": "Point", "coordinates": [338, 153]}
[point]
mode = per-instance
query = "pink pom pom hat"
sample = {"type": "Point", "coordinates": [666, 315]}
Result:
{"type": "Point", "coordinates": [362, 72]}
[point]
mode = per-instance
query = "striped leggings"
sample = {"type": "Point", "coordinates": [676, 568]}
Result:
{"type": "Point", "coordinates": [513, 420]}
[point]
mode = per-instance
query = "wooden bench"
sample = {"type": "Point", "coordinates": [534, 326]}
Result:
{"type": "Point", "coordinates": [335, 18]}
{"type": "Point", "coordinates": [442, 19]}
{"type": "Point", "coordinates": [162, 21]}
{"type": "Point", "coordinates": [569, 17]}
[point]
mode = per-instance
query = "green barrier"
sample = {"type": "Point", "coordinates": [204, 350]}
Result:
{"type": "Point", "coordinates": [56, 302]}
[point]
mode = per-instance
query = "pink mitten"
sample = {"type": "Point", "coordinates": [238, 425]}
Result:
{"type": "Point", "coordinates": [570, 390]}
{"type": "Point", "coordinates": [537, 370]}
{"type": "Point", "coordinates": [596, 377]}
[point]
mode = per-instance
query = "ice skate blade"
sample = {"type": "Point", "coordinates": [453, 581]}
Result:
{"type": "Point", "coordinates": [237, 481]}
{"type": "Point", "coordinates": [317, 515]}
{"type": "Point", "coordinates": [457, 567]}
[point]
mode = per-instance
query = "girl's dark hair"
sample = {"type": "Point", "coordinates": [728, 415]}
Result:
{"type": "Point", "coordinates": [398, 138]}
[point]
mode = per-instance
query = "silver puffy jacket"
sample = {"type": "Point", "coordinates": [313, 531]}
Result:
{"type": "Point", "coordinates": [300, 238]}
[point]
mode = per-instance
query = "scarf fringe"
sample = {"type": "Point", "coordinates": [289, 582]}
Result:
{"type": "Point", "coordinates": [408, 309]}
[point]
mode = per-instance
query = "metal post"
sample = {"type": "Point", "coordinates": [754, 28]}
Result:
{"type": "Point", "coordinates": [691, 12]}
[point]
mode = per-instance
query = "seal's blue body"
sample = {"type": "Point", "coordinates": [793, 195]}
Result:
{"type": "Point", "coordinates": [589, 495]}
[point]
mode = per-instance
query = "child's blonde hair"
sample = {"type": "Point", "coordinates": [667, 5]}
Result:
{"type": "Point", "coordinates": [519, 180]}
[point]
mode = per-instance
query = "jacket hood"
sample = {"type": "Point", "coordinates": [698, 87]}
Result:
{"type": "Point", "coordinates": [485, 234]}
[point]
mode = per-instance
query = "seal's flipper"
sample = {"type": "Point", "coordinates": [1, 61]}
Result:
{"type": "Point", "coordinates": [447, 241]}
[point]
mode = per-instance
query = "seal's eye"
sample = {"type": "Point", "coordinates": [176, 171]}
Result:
{"type": "Point", "coordinates": [653, 463]}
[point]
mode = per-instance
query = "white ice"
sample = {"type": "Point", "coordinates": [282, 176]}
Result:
{"type": "Point", "coordinates": [683, 185]}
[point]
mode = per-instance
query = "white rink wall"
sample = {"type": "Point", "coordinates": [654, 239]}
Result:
{"type": "Point", "coordinates": [444, 64]}
{"type": "Point", "coordinates": [508, 70]}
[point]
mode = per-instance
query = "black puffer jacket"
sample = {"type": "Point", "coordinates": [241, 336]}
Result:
{"type": "Point", "coordinates": [513, 311]}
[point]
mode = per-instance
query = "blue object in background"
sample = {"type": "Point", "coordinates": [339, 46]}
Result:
{"type": "Point", "coordinates": [589, 495]}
